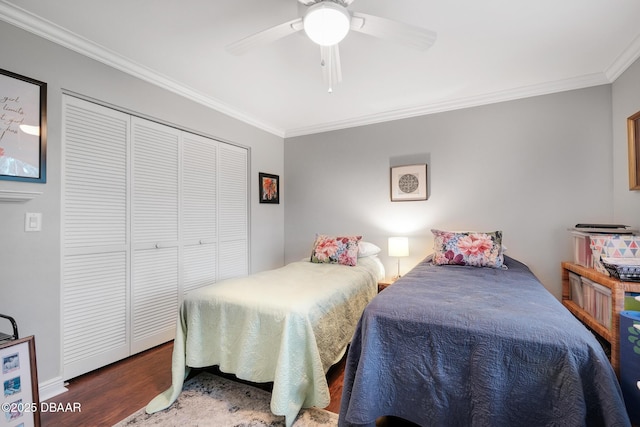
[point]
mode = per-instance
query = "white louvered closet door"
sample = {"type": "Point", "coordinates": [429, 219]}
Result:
{"type": "Point", "coordinates": [233, 226]}
{"type": "Point", "coordinates": [155, 233]}
{"type": "Point", "coordinates": [199, 207]}
{"type": "Point", "coordinates": [149, 213]}
{"type": "Point", "coordinates": [95, 278]}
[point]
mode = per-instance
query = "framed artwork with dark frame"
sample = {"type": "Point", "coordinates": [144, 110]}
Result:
{"type": "Point", "coordinates": [269, 188]}
{"type": "Point", "coordinates": [633, 134]}
{"type": "Point", "coordinates": [23, 128]}
{"type": "Point", "coordinates": [409, 183]}
{"type": "Point", "coordinates": [19, 379]}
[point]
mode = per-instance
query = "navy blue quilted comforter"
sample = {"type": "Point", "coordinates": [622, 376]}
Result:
{"type": "Point", "coordinates": [468, 346]}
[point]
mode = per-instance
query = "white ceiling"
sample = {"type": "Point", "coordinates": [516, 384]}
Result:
{"type": "Point", "coordinates": [486, 51]}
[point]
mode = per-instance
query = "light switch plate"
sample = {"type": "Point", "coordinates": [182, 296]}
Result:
{"type": "Point", "coordinates": [32, 221]}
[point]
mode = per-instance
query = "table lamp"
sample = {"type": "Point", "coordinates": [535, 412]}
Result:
{"type": "Point", "coordinates": [398, 247]}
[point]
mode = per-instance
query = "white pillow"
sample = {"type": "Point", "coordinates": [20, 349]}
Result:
{"type": "Point", "coordinates": [367, 249]}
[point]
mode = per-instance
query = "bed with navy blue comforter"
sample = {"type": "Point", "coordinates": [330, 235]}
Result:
{"type": "Point", "coordinates": [468, 346]}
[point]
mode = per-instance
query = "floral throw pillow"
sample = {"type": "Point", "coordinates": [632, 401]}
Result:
{"type": "Point", "coordinates": [335, 250]}
{"type": "Point", "coordinates": [468, 248]}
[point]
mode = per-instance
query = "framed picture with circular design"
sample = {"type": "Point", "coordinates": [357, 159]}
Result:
{"type": "Point", "coordinates": [409, 183]}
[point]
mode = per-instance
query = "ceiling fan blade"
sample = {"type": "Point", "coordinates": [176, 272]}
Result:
{"type": "Point", "coordinates": [331, 68]}
{"type": "Point", "coordinates": [265, 37]}
{"type": "Point", "coordinates": [398, 32]}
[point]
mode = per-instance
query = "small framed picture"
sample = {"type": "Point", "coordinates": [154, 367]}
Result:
{"type": "Point", "coordinates": [409, 183]}
{"type": "Point", "coordinates": [269, 188]}
{"type": "Point", "coordinates": [19, 378]}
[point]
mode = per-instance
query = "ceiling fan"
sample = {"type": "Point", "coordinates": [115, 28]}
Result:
{"type": "Point", "coordinates": [327, 22]}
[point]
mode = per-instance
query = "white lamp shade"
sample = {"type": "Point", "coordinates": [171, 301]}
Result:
{"type": "Point", "coordinates": [327, 23]}
{"type": "Point", "coordinates": [398, 246]}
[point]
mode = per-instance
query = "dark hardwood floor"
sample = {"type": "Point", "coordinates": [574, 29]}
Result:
{"type": "Point", "coordinates": [110, 394]}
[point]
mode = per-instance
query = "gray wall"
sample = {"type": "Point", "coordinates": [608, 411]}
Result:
{"type": "Point", "coordinates": [626, 102]}
{"type": "Point", "coordinates": [532, 168]}
{"type": "Point", "coordinates": [30, 262]}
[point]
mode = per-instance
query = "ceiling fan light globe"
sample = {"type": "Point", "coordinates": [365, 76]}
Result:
{"type": "Point", "coordinates": [327, 23]}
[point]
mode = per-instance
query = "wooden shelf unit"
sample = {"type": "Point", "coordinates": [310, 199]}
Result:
{"type": "Point", "coordinates": [618, 290]}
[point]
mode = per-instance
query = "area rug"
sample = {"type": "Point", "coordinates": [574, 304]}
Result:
{"type": "Point", "coordinates": [211, 400]}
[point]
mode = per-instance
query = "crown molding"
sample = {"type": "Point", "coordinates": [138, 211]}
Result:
{"type": "Point", "coordinates": [56, 34]}
{"type": "Point", "coordinates": [589, 80]}
{"type": "Point", "coordinates": [624, 60]}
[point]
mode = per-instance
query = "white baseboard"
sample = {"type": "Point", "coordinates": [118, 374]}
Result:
{"type": "Point", "coordinates": [51, 388]}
